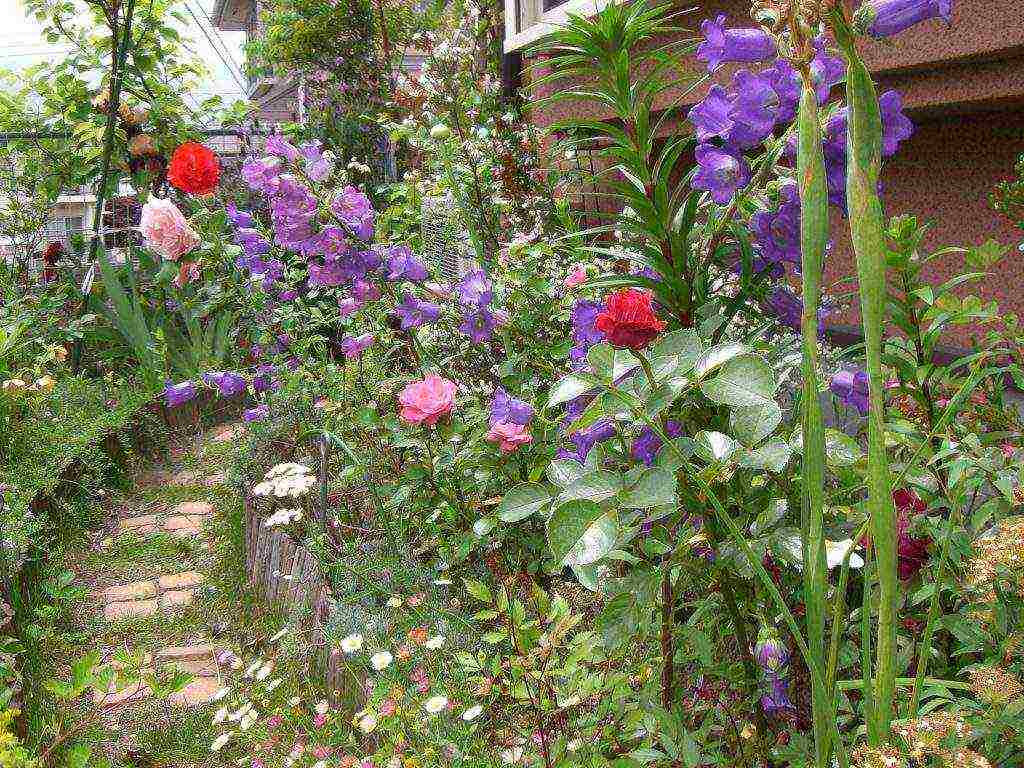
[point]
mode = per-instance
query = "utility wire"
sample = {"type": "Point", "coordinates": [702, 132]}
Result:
{"type": "Point", "coordinates": [224, 61]}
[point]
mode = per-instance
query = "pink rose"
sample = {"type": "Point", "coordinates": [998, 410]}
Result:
{"type": "Point", "coordinates": [319, 720]}
{"type": "Point", "coordinates": [427, 401]}
{"type": "Point", "coordinates": [166, 230]}
{"type": "Point", "coordinates": [188, 272]}
{"type": "Point", "coordinates": [576, 278]}
{"type": "Point", "coordinates": [1008, 450]}
{"type": "Point", "coordinates": [509, 436]}
{"type": "Point", "coordinates": [388, 707]}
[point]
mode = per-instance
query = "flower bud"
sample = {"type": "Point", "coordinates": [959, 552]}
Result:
{"type": "Point", "coordinates": [884, 18]}
{"type": "Point", "coordinates": [440, 131]}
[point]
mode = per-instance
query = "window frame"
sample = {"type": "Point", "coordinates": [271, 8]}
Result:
{"type": "Point", "coordinates": [537, 22]}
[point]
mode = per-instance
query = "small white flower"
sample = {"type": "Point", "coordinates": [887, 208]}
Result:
{"type": "Point", "coordinates": [272, 684]}
{"type": "Point", "coordinates": [252, 668]}
{"type": "Point", "coordinates": [247, 721]}
{"type": "Point", "coordinates": [514, 755]}
{"type": "Point", "coordinates": [352, 643]}
{"type": "Point", "coordinates": [394, 602]}
{"type": "Point", "coordinates": [435, 704]}
{"type": "Point", "coordinates": [835, 552]}
{"type": "Point", "coordinates": [322, 707]}
{"type": "Point", "coordinates": [381, 660]}
{"type": "Point", "coordinates": [367, 722]}
{"type": "Point", "coordinates": [220, 741]}
{"type": "Point", "coordinates": [220, 716]}
{"type": "Point", "coordinates": [278, 636]}
{"type": "Point", "coordinates": [264, 672]}
{"type": "Point", "coordinates": [294, 701]}
{"type": "Point", "coordinates": [221, 693]}
{"type": "Point", "coordinates": [434, 643]}
{"type": "Point", "coordinates": [472, 713]}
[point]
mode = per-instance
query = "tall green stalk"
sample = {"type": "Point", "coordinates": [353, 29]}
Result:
{"type": "Point", "coordinates": [867, 227]}
{"type": "Point", "coordinates": [813, 241]}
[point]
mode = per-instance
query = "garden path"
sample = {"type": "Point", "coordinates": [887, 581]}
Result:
{"type": "Point", "coordinates": [152, 583]}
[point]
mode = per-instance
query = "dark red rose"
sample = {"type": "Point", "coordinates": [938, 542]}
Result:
{"type": "Point", "coordinates": [912, 553]}
{"type": "Point", "coordinates": [908, 502]}
{"type": "Point", "coordinates": [194, 169]}
{"type": "Point", "coordinates": [628, 320]}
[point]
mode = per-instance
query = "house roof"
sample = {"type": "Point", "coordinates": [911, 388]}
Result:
{"type": "Point", "coordinates": [233, 15]}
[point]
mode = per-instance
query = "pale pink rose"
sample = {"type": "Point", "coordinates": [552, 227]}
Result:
{"type": "Point", "coordinates": [509, 436]}
{"type": "Point", "coordinates": [576, 278]}
{"type": "Point", "coordinates": [427, 401]}
{"type": "Point", "coordinates": [166, 230]}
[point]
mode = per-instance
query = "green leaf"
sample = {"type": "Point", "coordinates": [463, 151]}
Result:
{"type": "Point", "coordinates": [716, 357]}
{"type": "Point", "coordinates": [775, 511]}
{"type": "Point", "coordinates": [523, 501]}
{"type": "Point", "coordinates": [774, 455]}
{"type": "Point", "coordinates": [841, 450]}
{"type": "Point", "coordinates": [751, 424]}
{"type": "Point", "coordinates": [581, 532]}
{"type": "Point", "coordinates": [656, 488]}
{"type": "Point", "coordinates": [595, 486]}
{"type": "Point", "coordinates": [601, 358]}
{"type": "Point", "coordinates": [562, 472]}
{"type": "Point", "coordinates": [568, 388]}
{"type": "Point", "coordinates": [715, 447]}
{"type": "Point", "coordinates": [742, 382]}
{"type": "Point", "coordinates": [479, 590]}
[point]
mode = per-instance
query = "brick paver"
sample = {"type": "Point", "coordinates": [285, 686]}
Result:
{"type": "Point", "coordinates": [140, 525]}
{"type": "Point", "coordinates": [137, 590]}
{"type": "Point", "coordinates": [199, 691]}
{"type": "Point", "coordinates": [177, 598]}
{"type": "Point", "coordinates": [182, 580]}
{"type": "Point", "coordinates": [129, 609]}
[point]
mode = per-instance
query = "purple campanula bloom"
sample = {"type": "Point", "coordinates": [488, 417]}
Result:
{"type": "Point", "coordinates": [413, 312]}
{"type": "Point", "coordinates": [896, 126]}
{"type": "Point", "coordinates": [258, 413]}
{"type": "Point", "coordinates": [331, 274]}
{"type": "Point", "coordinates": [648, 442]}
{"type": "Point", "coordinates": [786, 83]}
{"type": "Point", "coordinates": [319, 164]}
{"type": "Point", "coordinates": [788, 307]}
{"type": "Point", "coordinates": [585, 439]}
{"type": "Point", "coordinates": [851, 388]}
{"type": "Point", "coordinates": [770, 652]}
{"type": "Point", "coordinates": [575, 407]}
{"type": "Point", "coordinates": [777, 233]}
{"type": "Point", "coordinates": [722, 172]}
{"type": "Point", "coordinates": [364, 291]}
{"type": "Point", "coordinates": [263, 380]}
{"type": "Point", "coordinates": [505, 408]}
{"type": "Point", "coordinates": [826, 71]}
{"type": "Point", "coordinates": [262, 175]}
{"type": "Point", "coordinates": [742, 45]}
{"type": "Point", "coordinates": [776, 701]}
{"type": "Point", "coordinates": [711, 116]}
{"type": "Point", "coordinates": [288, 295]}
{"type": "Point", "coordinates": [179, 394]}
{"type": "Point", "coordinates": [884, 18]}
{"type": "Point", "coordinates": [253, 243]}
{"type": "Point", "coordinates": [754, 109]}
{"type": "Point", "coordinates": [478, 324]}
{"type": "Point", "coordinates": [403, 265]}
{"type": "Point", "coordinates": [354, 346]}
{"type": "Point", "coordinates": [354, 210]}
{"type": "Point", "coordinates": [280, 146]}
{"type": "Point", "coordinates": [239, 218]}
{"type": "Point", "coordinates": [227, 383]}
{"type": "Point", "coordinates": [584, 331]}
{"type": "Point", "coordinates": [475, 290]}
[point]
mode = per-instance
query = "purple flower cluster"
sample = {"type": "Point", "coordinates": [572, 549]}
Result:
{"type": "Point", "coordinates": [777, 233]}
{"type": "Point", "coordinates": [584, 331]}
{"type": "Point", "coordinates": [475, 294]}
{"type": "Point", "coordinates": [354, 346]}
{"type": "Point", "coordinates": [773, 658]}
{"type": "Point", "coordinates": [788, 308]}
{"type": "Point", "coordinates": [510, 410]}
{"type": "Point", "coordinates": [647, 444]}
{"type": "Point", "coordinates": [179, 394]}
{"type": "Point", "coordinates": [585, 439]}
{"type": "Point", "coordinates": [227, 383]}
{"type": "Point", "coordinates": [413, 312]}
{"type": "Point", "coordinates": [851, 389]}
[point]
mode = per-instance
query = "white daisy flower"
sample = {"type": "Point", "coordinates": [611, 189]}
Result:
{"type": "Point", "coordinates": [472, 713]}
{"type": "Point", "coordinates": [435, 642]}
{"type": "Point", "coordinates": [381, 660]}
{"type": "Point", "coordinates": [220, 741]}
{"type": "Point", "coordinates": [435, 704]}
{"type": "Point", "coordinates": [352, 643]}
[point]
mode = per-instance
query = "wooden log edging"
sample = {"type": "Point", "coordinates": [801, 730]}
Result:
{"type": "Point", "coordinates": [287, 574]}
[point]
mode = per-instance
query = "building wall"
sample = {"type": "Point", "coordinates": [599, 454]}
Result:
{"type": "Point", "coordinates": [963, 86]}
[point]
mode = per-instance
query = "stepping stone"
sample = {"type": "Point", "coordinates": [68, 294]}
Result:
{"type": "Point", "coordinates": [217, 478]}
{"type": "Point", "coordinates": [184, 477]}
{"type": "Point", "coordinates": [153, 478]}
{"type": "Point", "coordinates": [199, 691]}
{"type": "Point", "coordinates": [177, 598]}
{"type": "Point", "coordinates": [187, 518]}
{"type": "Point", "coordinates": [129, 609]}
{"type": "Point", "coordinates": [228, 433]}
{"type": "Point", "coordinates": [182, 580]}
{"type": "Point", "coordinates": [137, 590]}
{"type": "Point", "coordinates": [140, 525]}
{"type": "Point", "coordinates": [182, 652]}
{"type": "Point", "coordinates": [197, 659]}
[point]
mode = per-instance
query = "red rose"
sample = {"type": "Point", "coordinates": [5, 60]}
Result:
{"type": "Point", "coordinates": [628, 320]}
{"type": "Point", "coordinates": [194, 169]}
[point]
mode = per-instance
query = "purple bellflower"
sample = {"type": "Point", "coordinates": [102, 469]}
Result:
{"type": "Point", "coordinates": [585, 439]}
{"type": "Point", "coordinates": [354, 346]}
{"type": "Point", "coordinates": [475, 290]}
{"type": "Point", "coordinates": [413, 312]}
{"type": "Point", "coordinates": [851, 388]}
{"type": "Point", "coordinates": [403, 265]}
{"type": "Point", "coordinates": [711, 116]}
{"type": "Point", "coordinates": [741, 45]}
{"type": "Point", "coordinates": [227, 383]}
{"type": "Point", "coordinates": [478, 324]}
{"type": "Point", "coordinates": [722, 172]}
{"type": "Point", "coordinates": [584, 331]}
{"type": "Point", "coordinates": [885, 18]}
{"type": "Point", "coordinates": [648, 442]}
{"type": "Point", "coordinates": [179, 394]}
{"type": "Point", "coordinates": [505, 408]}
{"type": "Point", "coordinates": [257, 413]}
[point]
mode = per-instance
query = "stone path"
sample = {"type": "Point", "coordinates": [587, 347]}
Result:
{"type": "Point", "coordinates": [150, 596]}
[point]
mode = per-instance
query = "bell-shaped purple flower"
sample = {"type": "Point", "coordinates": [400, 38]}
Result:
{"type": "Point", "coordinates": [753, 110]}
{"type": "Point", "coordinates": [227, 383]}
{"type": "Point", "coordinates": [777, 233]}
{"type": "Point", "coordinates": [770, 652]}
{"type": "Point", "coordinates": [280, 146]}
{"type": "Point", "coordinates": [239, 218]}
{"type": "Point", "coordinates": [896, 126]}
{"type": "Point", "coordinates": [648, 443]}
{"type": "Point", "coordinates": [788, 308]}
{"type": "Point", "coordinates": [885, 18]}
{"type": "Point", "coordinates": [722, 172]}
{"type": "Point", "coordinates": [785, 82]}
{"type": "Point", "coordinates": [179, 394]}
{"type": "Point", "coordinates": [851, 388]}
{"type": "Point", "coordinates": [413, 312]}
{"type": "Point", "coordinates": [347, 305]}
{"type": "Point", "coordinates": [478, 324]}
{"type": "Point", "coordinates": [475, 290]}
{"type": "Point", "coordinates": [585, 439]}
{"type": "Point", "coordinates": [508, 409]}
{"type": "Point", "coordinates": [776, 701]}
{"type": "Point", "coordinates": [741, 45]}
{"type": "Point", "coordinates": [364, 290]}
{"type": "Point", "coordinates": [403, 265]}
{"type": "Point", "coordinates": [711, 116]}
{"type": "Point", "coordinates": [354, 210]}
{"type": "Point", "coordinates": [584, 330]}
{"type": "Point", "coordinates": [257, 413]}
{"type": "Point", "coordinates": [354, 346]}
{"type": "Point", "coordinates": [826, 71]}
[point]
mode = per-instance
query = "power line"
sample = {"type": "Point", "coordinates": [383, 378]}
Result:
{"type": "Point", "coordinates": [202, 28]}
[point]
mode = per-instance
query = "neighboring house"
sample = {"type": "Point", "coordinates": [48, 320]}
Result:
{"type": "Point", "coordinates": [276, 100]}
{"type": "Point", "coordinates": [963, 86]}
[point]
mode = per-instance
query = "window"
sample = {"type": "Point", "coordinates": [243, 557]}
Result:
{"type": "Point", "coordinates": [529, 20]}
{"type": "Point", "coordinates": [62, 227]}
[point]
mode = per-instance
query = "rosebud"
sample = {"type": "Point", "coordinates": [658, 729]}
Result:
{"type": "Point", "coordinates": [884, 18]}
